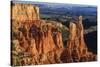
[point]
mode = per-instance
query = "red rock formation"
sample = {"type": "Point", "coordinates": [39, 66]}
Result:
{"type": "Point", "coordinates": [76, 48]}
{"type": "Point", "coordinates": [35, 35]}
{"type": "Point", "coordinates": [58, 39]}
{"type": "Point", "coordinates": [32, 47]}
{"type": "Point", "coordinates": [25, 12]}
{"type": "Point", "coordinates": [42, 41]}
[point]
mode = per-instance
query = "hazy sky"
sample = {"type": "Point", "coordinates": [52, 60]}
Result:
{"type": "Point", "coordinates": [87, 2]}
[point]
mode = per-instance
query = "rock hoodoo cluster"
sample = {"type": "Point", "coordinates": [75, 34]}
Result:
{"type": "Point", "coordinates": [36, 42]}
{"type": "Point", "coordinates": [76, 50]}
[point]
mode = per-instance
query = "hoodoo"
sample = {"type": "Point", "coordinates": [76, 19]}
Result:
{"type": "Point", "coordinates": [36, 41]}
{"type": "Point", "coordinates": [76, 46]}
{"type": "Point", "coordinates": [35, 36]}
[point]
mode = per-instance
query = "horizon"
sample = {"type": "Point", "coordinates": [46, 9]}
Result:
{"type": "Point", "coordinates": [54, 4]}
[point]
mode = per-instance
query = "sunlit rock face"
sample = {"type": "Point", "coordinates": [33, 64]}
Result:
{"type": "Point", "coordinates": [34, 41]}
{"type": "Point", "coordinates": [25, 12]}
{"type": "Point", "coordinates": [76, 50]}
{"type": "Point", "coordinates": [35, 37]}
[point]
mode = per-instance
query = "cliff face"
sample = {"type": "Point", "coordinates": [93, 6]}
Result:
{"type": "Point", "coordinates": [24, 12]}
{"type": "Point", "coordinates": [34, 41]}
{"type": "Point", "coordinates": [35, 37]}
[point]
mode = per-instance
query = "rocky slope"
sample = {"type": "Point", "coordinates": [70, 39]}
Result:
{"type": "Point", "coordinates": [35, 41]}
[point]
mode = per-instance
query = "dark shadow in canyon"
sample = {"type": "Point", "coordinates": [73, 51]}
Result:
{"type": "Point", "coordinates": [91, 41]}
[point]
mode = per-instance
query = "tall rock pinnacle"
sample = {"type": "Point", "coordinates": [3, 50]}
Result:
{"type": "Point", "coordinates": [76, 47]}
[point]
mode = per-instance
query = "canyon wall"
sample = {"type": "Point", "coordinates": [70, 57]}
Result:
{"type": "Point", "coordinates": [34, 41]}
{"type": "Point", "coordinates": [35, 37]}
{"type": "Point", "coordinates": [24, 12]}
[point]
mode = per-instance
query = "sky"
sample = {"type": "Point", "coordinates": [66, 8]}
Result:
{"type": "Point", "coordinates": [84, 2]}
